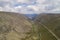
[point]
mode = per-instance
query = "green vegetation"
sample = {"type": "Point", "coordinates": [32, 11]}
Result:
{"type": "Point", "coordinates": [38, 32]}
{"type": "Point", "coordinates": [45, 34]}
{"type": "Point", "coordinates": [55, 27]}
{"type": "Point", "coordinates": [33, 34]}
{"type": "Point", "coordinates": [51, 24]}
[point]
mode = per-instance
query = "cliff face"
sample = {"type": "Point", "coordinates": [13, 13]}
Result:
{"type": "Point", "coordinates": [50, 22]}
{"type": "Point", "coordinates": [13, 26]}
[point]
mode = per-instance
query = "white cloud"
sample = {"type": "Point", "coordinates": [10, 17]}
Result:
{"type": "Point", "coordinates": [33, 7]}
{"type": "Point", "coordinates": [1, 9]}
{"type": "Point", "coordinates": [22, 1]}
{"type": "Point", "coordinates": [40, 1]}
{"type": "Point", "coordinates": [18, 7]}
{"type": "Point", "coordinates": [39, 7]}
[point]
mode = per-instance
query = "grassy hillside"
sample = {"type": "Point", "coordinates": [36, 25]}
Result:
{"type": "Point", "coordinates": [13, 26]}
{"type": "Point", "coordinates": [50, 29]}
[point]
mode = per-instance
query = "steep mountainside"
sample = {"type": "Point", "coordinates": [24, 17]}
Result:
{"type": "Point", "coordinates": [13, 26]}
{"type": "Point", "coordinates": [51, 23]}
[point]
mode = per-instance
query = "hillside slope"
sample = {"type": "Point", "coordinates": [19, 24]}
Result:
{"type": "Point", "coordinates": [13, 26]}
{"type": "Point", "coordinates": [51, 23]}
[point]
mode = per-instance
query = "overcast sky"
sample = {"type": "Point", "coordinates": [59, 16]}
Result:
{"type": "Point", "coordinates": [30, 6]}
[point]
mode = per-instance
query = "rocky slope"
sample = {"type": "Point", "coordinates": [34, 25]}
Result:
{"type": "Point", "coordinates": [13, 26]}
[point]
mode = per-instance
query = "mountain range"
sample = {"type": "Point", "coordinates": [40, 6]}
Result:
{"type": "Point", "coordinates": [17, 26]}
